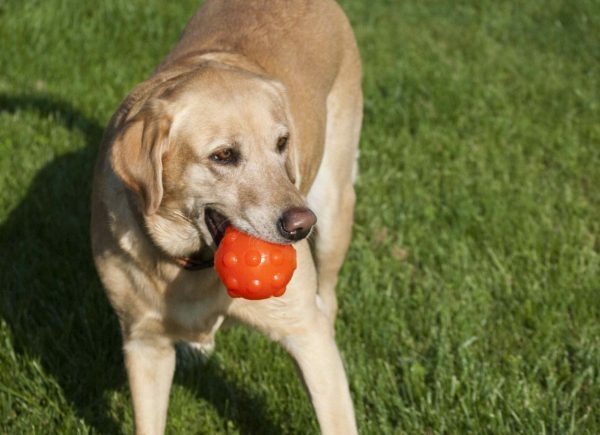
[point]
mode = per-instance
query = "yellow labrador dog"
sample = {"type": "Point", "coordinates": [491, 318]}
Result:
{"type": "Point", "coordinates": [252, 120]}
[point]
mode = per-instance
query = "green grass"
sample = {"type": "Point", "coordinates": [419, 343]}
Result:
{"type": "Point", "coordinates": [470, 301]}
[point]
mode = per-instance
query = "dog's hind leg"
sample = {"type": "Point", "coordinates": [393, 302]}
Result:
{"type": "Point", "coordinates": [332, 194]}
{"type": "Point", "coordinates": [150, 364]}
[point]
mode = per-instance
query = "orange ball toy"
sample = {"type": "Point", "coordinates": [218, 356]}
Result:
{"type": "Point", "coordinates": [252, 268]}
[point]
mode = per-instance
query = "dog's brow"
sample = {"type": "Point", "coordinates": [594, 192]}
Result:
{"type": "Point", "coordinates": [216, 143]}
{"type": "Point", "coordinates": [281, 130]}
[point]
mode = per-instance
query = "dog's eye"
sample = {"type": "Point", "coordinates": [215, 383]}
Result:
{"type": "Point", "coordinates": [225, 156]}
{"type": "Point", "coordinates": [282, 143]}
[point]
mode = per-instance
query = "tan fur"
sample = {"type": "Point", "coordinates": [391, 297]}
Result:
{"type": "Point", "coordinates": [244, 74]}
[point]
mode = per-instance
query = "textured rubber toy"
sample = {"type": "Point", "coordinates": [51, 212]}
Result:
{"type": "Point", "coordinates": [252, 268]}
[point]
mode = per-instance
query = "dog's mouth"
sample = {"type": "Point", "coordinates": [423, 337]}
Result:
{"type": "Point", "coordinates": [216, 224]}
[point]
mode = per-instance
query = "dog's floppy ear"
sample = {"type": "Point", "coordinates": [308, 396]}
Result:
{"type": "Point", "coordinates": [138, 151]}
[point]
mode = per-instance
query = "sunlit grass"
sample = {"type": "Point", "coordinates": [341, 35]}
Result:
{"type": "Point", "coordinates": [470, 299]}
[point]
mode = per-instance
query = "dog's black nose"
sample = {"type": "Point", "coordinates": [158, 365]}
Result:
{"type": "Point", "coordinates": [296, 222]}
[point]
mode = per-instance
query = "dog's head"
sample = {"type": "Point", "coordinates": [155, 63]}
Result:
{"type": "Point", "coordinates": [213, 148]}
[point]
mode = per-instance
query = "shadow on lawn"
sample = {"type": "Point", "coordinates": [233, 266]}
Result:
{"type": "Point", "coordinates": [52, 300]}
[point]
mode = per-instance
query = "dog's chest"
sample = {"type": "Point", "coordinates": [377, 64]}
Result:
{"type": "Point", "coordinates": [193, 303]}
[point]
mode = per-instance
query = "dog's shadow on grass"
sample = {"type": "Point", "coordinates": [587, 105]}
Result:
{"type": "Point", "coordinates": [52, 300]}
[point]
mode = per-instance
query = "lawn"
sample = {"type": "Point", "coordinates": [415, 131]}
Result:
{"type": "Point", "coordinates": [470, 300]}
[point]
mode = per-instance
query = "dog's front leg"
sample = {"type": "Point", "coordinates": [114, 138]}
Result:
{"type": "Point", "coordinates": [150, 366]}
{"type": "Point", "coordinates": [295, 321]}
{"type": "Point", "coordinates": [319, 361]}
{"type": "Point", "coordinates": [307, 335]}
